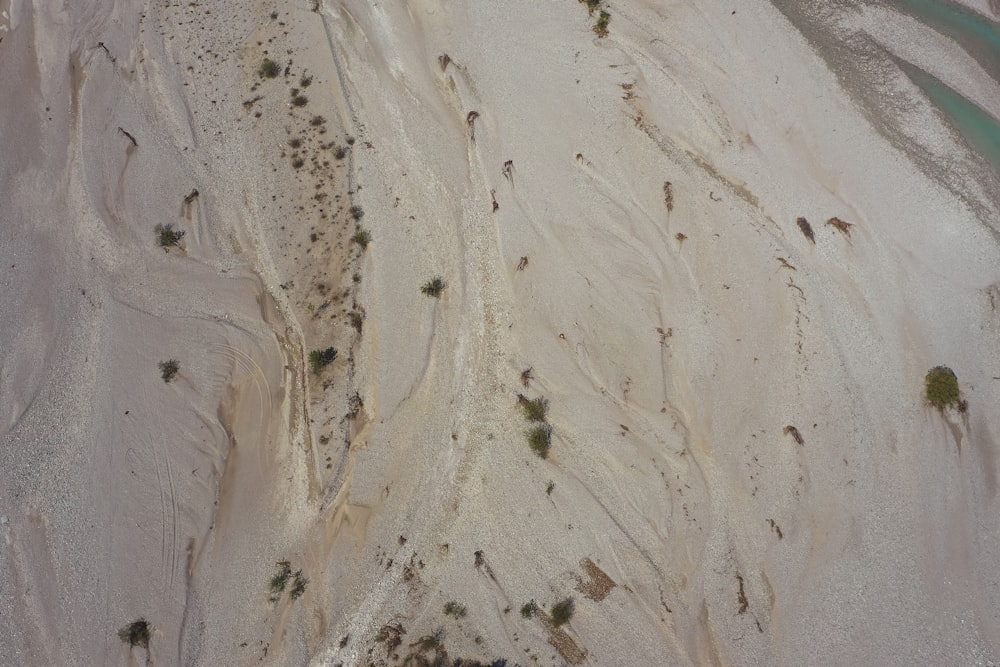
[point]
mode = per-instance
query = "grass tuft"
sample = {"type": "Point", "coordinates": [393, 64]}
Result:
{"type": "Point", "coordinates": [356, 212]}
{"type": "Point", "coordinates": [434, 287]}
{"type": "Point", "coordinates": [362, 238]}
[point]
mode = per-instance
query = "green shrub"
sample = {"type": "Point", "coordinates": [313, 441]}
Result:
{"type": "Point", "coordinates": [269, 68]}
{"type": "Point", "coordinates": [601, 27]}
{"type": "Point", "coordinates": [535, 409]}
{"type": "Point", "coordinates": [941, 387]}
{"type": "Point", "coordinates": [316, 121]}
{"type": "Point", "coordinates": [357, 320]}
{"type": "Point", "coordinates": [320, 359]}
{"type": "Point", "coordinates": [362, 238]}
{"type": "Point", "coordinates": [529, 609]}
{"type": "Point", "coordinates": [298, 586]}
{"type": "Point", "coordinates": [136, 633]}
{"type": "Point", "coordinates": [298, 163]}
{"type": "Point", "coordinates": [168, 369]}
{"type": "Point", "coordinates": [540, 440]}
{"type": "Point", "coordinates": [591, 4]}
{"type": "Point", "coordinates": [340, 152]}
{"type": "Point", "coordinates": [305, 81]}
{"type": "Point", "coordinates": [167, 236]}
{"type": "Point", "coordinates": [550, 487]}
{"type": "Point", "coordinates": [280, 580]}
{"type": "Point", "coordinates": [300, 101]}
{"type": "Point", "coordinates": [454, 609]}
{"type": "Point", "coordinates": [562, 612]}
{"type": "Point", "coordinates": [356, 212]}
{"type": "Point", "coordinates": [434, 287]}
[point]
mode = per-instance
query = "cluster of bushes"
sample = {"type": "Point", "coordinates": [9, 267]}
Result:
{"type": "Point", "coordinates": [284, 576]}
{"type": "Point", "coordinates": [561, 612]}
{"type": "Point", "coordinates": [539, 435]}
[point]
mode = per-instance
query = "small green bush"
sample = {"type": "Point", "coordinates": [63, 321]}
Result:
{"type": "Point", "coordinates": [529, 609]}
{"type": "Point", "coordinates": [167, 236]}
{"type": "Point", "coordinates": [601, 27]}
{"type": "Point", "coordinates": [320, 359]}
{"type": "Point", "coordinates": [357, 320]}
{"type": "Point", "coordinates": [269, 68]}
{"type": "Point", "coordinates": [454, 609]}
{"type": "Point", "coordinates": [168, 369]}
{"type": "Point", "coordinates": [136, 633]}
{"type": "Point", "coordinates": [316, 121]}
{"type": "Point", "coordinates": [540, 440]}
{"type": "Point", "coordinates": [340, 152]}
{"type": "Point", "coordinates": [362, 238]}
{"type": "Point", "coordinates": [298, 163]}
{"type": "Point", "coordinates": [562, 612]}
{"type": "Point", "coordinates": [298, 586]}
{"type": "Point", "coordinates": [550, 487]}
{"type": "Point", "coordinates": [941, 387]}
{"type": "Point", "coordinates": [356, 212]}
{"type": "Point", "coordinates": [305, 81]}
{"type": "Point", "coordinates": [300, 101]}
{"type": "Point", "coordinates": [535, 409]}
{"type": "Point", "coordinates": [434, 287]}
{"type": "Point", "coordinates": [280, 580]}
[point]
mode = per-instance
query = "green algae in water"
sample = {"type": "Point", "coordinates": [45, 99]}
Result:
{"type": "Point", "coordinates": [979, 128]}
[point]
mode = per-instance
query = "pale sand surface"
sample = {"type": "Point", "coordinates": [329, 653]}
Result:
{"type": "Point", "coordinates": [674, 344]}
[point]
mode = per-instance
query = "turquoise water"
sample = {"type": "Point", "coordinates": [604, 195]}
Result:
{"type": "Point", "coordinates": [974, 32]}
{"type": "Point", "coordinates": [979, 128]}
{"type": "Point", "coordinates": [981, 37]}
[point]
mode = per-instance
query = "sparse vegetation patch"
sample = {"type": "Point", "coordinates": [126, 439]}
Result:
{"type": "Point", "coordinates": [529, 609]}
